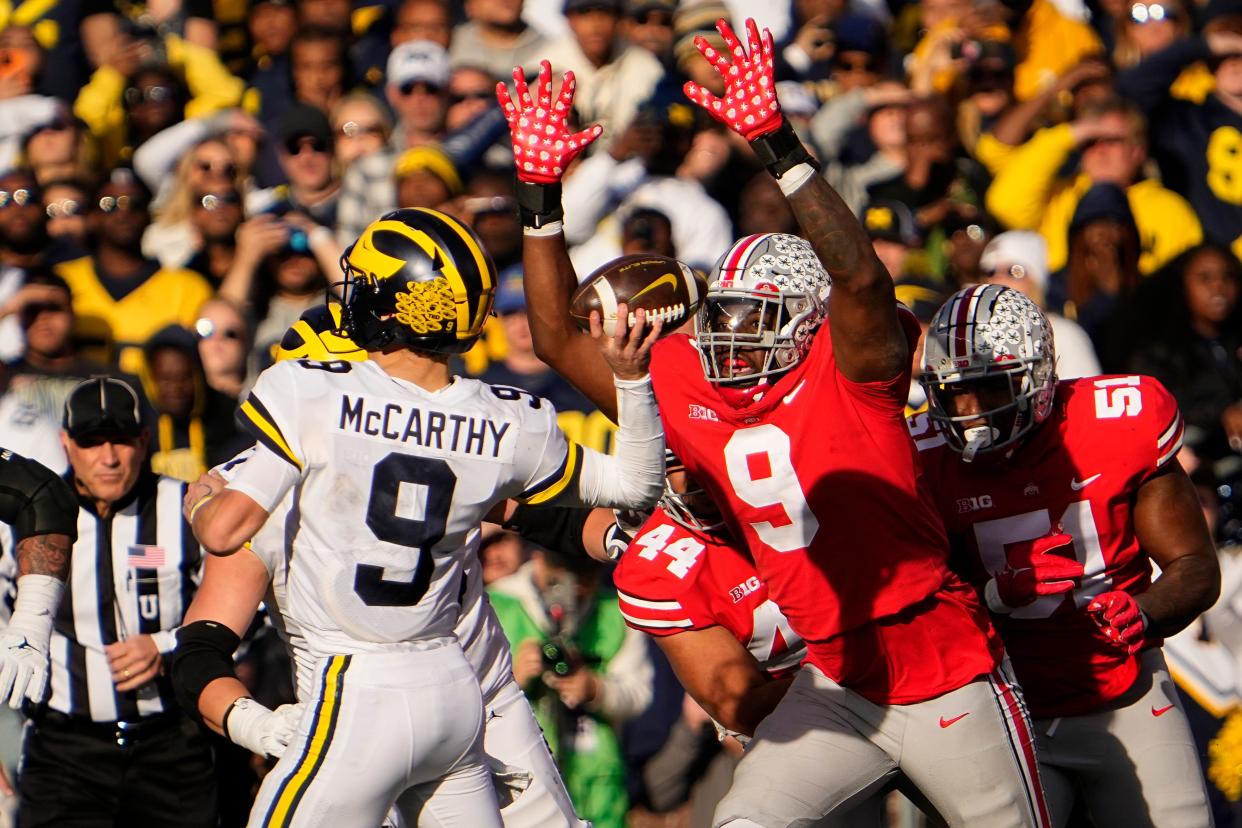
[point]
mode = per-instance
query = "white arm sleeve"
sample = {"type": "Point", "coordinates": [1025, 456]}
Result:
{"type": "Point", "coordinates": [156, 159]}
{"type": "Point", "coordinates": [634, 477]}
{"type": "Point", "coordinates": [596, 186]}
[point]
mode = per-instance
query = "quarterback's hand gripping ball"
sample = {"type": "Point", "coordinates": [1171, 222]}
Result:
{"type": "Point", "coordinates": [749, 106]}
{"type": "Point", "coordinates": [1043, 566]}
{"type": "Point", "coordinates": [543, 146]}
{"type": "Point", "coordinates": [1121, 619]}
{"type": "Point", "coordinates": [665, 288]}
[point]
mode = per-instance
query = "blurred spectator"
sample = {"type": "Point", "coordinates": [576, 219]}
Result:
{"type": "Point", "coordinates": [417, 90]}
{"type": "Point", "coordinates": [135, 95]}
{"type": "Point", "coordinates": [1031, 193]}
{"type": "Point", "coordinates": [272, 25]}
{"type": "Point", "coordinates": [121, 297]}
{"type": "Point", "coordinates": [222, 347]}
{"type": "Point", "coordinates": [215, 216]}
{"type": "Point", "coordinates": [640, 170]}
{"type": "Point", "coordinates": [360, 126]}
{"type": "Point", "coordinates": [425, 177]}
{"type": "Point", "coordinates": [202, 152]}
{"type": "Point", "coordinates": [584, 671]}
{"type": "Point", "coordinates": [860, 136]}
{"type": "Point", "coordinates": [922, 298]}
{"type": "Point", "coordinates": [520, 367]}
{"type": "Point", "coordinates": [490, 208]}
{"type": "Point", "coordinates": [20, 116]}
{"type": "Point", "coordinates": [194, 428]}
{"type": "Point", "coordinates": [762, 208]}
{"type": "Point", "coordinates": [46, 316]}
{"type": "Point", "coordinates": [1149, 27]}
{"type": "Point", "coordinates": [1196, 143]}
{"type": "Point", "coordinates": [613, 77]}
{"type": "Point", "coordinates": [985, 90]}
{"type": "Point", "coordinates": [894, 234]}
{"type": "Point", "coordinates": [648, 24]}
{"type": "Point", "coordinates": [647, 230]}
{"type": "Point", "coordinates": [65, 201]}
{"type": "Point", "coordinates": [812, 43]}
{"type": "Point", "coordinates": [24, 246]}
{"type": "Point", "coordinates": [305, 153]}
{"type": "Point", "coordinates": [495, 37]}
{"type": "Point", "coordinates": [1102, 272]}
{"type": "Point", "coordinates": [502, 553]}
{"type": "Point", "coordinates": [318, 70]}
{"type": "Point", "coordinates": [964, 241]}
{"type": "Point", "coordinates": [71, 35]}
{"type": "Point", "coordinates": [472, 92]}
{"type": "Point", "coordinates": [1019, 259]}
{"type": "Point", "coordinates": [1193, 344]}
{"type": "Point", "coordinates": [59, 147]}
{"type": "Point", "coordinates": [422, 20]}
{"type": "Point", "coordinates": [173, 238]}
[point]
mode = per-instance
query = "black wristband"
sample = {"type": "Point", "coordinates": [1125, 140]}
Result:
{"type": "Point", "coordinates": [782, 150]}
{"type": "Point", "coordinates": [539, 204]}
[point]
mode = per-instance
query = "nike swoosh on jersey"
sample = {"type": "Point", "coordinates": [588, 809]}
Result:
{"type": "Point", "coordinates": [790, 396]}
{"type": "Point", "coordinates": [946, 722]}
{"type": "Point", "coordinates": [666, 279]}
{"type": "Point", "coordinates": [1078, 485]}
{"type": "Point", "coordinates": [1160, 711]}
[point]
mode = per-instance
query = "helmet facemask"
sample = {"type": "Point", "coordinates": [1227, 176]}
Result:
{"type": "Point", "coordinates": [692, 507]}
{"type": "Point", "coordinates": [1007, 399]}
{"type": "Point", "coordinates": [767, 295]}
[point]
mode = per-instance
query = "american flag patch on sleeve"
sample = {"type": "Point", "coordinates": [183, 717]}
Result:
{"type": "Point", "coordinates": [145, 557]}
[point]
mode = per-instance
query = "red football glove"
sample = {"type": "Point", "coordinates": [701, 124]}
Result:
{"type": "Point", "coordinates": [749, 106]}
{"type": "Point", "coordinates": [1121, 619]}
{"type": "Point", "coordinates": [1034, 569]}
{"type": "Point", "coordinates": [543, 147]}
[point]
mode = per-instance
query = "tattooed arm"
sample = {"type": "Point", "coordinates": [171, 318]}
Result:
{"type": "Point", "coordinates": [43, 513]}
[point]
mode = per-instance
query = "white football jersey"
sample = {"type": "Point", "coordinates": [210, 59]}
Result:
{"type": "Point", "coordinates": [387, 484]}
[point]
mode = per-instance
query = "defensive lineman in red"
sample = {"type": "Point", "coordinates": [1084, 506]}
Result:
{"type": "Point", "coordinates": [1058, 496]}
{"type": "Point", "coordinates": [795, 428]}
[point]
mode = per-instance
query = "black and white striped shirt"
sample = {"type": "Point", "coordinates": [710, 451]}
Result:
{"type": "Point", "coordinates": [132, 573]}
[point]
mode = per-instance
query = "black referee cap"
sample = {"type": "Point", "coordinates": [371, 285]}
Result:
{"type": "Point", "coordinates": [103, 405]}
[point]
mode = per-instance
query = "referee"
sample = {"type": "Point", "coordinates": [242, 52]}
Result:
{"type": "Point", "coordinates": [111, 746]}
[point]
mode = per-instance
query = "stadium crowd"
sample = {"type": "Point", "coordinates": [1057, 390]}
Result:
{"type": "Point", "coordinates": [179, 180]}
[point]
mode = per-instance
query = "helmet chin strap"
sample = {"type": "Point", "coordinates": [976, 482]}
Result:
{"type": "Point", "coordinates": [976, 438]}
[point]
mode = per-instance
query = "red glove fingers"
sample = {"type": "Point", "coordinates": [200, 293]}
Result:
{"type": "Point", "coordinates": [543, 146]}
{"type": "Point", "coordinates": [1121, 619]}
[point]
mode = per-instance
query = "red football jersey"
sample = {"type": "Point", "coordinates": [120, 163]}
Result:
{"type": "Point", "coordinates": [1078, 474]}
{"type": "Point", "coordinates": [672, 579]}
{"type": "Point", "coordinates": [820, 481]}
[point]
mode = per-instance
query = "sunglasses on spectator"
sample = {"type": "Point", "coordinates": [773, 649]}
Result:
{"type": "Point", "coordinates": [1152, 12]}
{"type": "Point", "coordinates": [295, 146]}
{"type": "Point", "coordinates": [477, 95]}
{"type": "Point", "coordinates": [152, 94]}
{"type": "Point", "coordinates": [65, 208]}
{"type": "Point", "coordinates": [216, 201]}
{"type": "Point", "coordinates": [225, 170]}
{"type": "Point", "coordinates": [121, 204]}
{"type": "Point", "coordinates": [653, 17]}
{"type": "Point", "coordinates": [31, 312]}
{"type": "Point", "coordinates": [19, 197]}
{"type": "Point", "coordinates": [207, 328]}
{"type": "Point", "coordinates": [353, 129]}
{"type": "Point", "coordinates": [421, 86]}
{"type": "Point", "coordinates": [58, 125]}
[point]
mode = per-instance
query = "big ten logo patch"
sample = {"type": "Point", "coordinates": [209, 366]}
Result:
{"type": "Point", "coordinates": [973, 504]}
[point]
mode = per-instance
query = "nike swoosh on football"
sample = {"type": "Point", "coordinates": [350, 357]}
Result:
{"type": "Point", "coordinates": [1160, 711]}
{"type": "Point", "coordinates": [946, 722]}
{"type": "Point", "coordinates": [1076, 485]}
{"type": "Point", "coordinates": [666, 279]}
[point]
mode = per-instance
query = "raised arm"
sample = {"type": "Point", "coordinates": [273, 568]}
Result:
{"type": "Point", "coordinates": [867, 337]}
{"type": "Point", "coordinates": [543, 148]}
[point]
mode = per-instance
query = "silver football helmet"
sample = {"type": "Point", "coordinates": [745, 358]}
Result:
{"type": "Point", "coordinates": [693, 508]}
{"type": "Point", "coordinates": [768, 292]}
{"type": "Point", "coordinates": [996, 342]}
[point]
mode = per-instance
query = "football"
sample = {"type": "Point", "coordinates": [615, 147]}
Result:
{"type": "Point", "coordinates": [664, 287]}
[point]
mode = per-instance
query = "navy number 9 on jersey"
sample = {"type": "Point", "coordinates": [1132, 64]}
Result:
{"type": "Point", "coordinates": [421, 533]}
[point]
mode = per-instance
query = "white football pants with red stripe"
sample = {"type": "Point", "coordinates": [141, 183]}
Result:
{"type": "Point", "coordinates": [1135, 765]}
{"type": "Point", "coordinates": [970, 752]}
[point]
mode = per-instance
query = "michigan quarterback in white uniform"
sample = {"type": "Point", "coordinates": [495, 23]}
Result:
{"type": "Point", "coordinates": [532, 794]}
{"type": "Point", "coordinates": [392, 462]}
